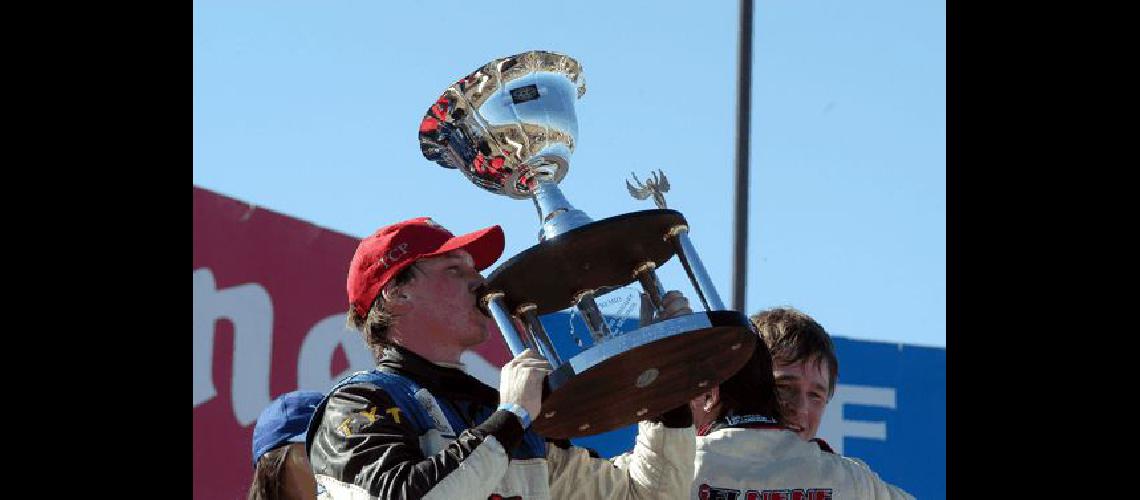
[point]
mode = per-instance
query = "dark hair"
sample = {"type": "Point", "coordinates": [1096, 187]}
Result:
{"type": "Point", "coordinates": [793, 336]}
{"type": "Point", "coordinates": [268, 476]}
{"type": "Point", "coordinates": [752, 390]}
{"type": "Point", "coordinates": [374, 327]}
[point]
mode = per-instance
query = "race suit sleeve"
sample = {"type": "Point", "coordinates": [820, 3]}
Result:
{"type": "Point", "coordinates": [365, 447]}
{"type": "Point", "coordinates": [873, 486]}
{"type": "Point", "coordinates": [660, 466]}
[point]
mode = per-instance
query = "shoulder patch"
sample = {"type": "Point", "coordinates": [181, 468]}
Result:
{"type": "Point", "coordinates": [357, 421]}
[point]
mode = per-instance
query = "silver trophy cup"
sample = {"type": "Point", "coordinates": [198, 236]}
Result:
{"type": "Point", "coordinates": [510, 127]}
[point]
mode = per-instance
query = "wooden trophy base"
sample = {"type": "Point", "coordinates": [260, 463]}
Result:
{"type": "Point", "coordinates": [641, 374]}
{"type": "Point", "coordinates": [600, 254]}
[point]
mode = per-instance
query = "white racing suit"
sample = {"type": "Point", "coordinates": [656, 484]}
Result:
{"type": "Point", "coordinates": [769, 462]}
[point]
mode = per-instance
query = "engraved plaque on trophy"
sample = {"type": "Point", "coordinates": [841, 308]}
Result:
{"type": "Point", "coordinates": [510, 128]}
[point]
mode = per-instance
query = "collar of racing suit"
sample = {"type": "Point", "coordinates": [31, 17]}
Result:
{"type": "Point", "coordinates": [731, 421]}
{"type": "Point", "coordinates": [753, 422]}
{"type": "Point", "coordinates": [440, 380]}
{"type": "Point", "coordinates": [454, 384]}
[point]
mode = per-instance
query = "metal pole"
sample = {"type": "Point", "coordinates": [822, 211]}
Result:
{"type": "Point", "coordinates": [743, 116]}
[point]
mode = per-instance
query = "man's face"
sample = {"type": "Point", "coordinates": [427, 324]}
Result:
{"type": "Point", "coordinates": [804, 392]}
{"type": "Point", "coordinates": [297, 480]}
{"type": "Point", "coordinates": [443, 299]}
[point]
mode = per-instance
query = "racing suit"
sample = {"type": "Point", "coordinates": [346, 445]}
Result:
{"type": "Point", "coordinates": [752, 457]}
{"type": "Point", "coordinates": [414, 429]}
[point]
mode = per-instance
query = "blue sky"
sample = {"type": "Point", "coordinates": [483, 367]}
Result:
{"type": "Point", "coordinates": [312, 108]}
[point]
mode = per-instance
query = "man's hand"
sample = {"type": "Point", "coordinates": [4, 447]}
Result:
{"type": "Point", "coordinates": [520, 381]}
{"type": "Point", "coordinates": [674, 304]}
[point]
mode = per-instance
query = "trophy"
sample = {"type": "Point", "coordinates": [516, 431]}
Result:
{"type": "Point", "coordinates": [510, 128]}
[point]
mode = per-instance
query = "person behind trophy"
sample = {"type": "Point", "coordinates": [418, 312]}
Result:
{"type": "Point", "coordinates": [419, 426]}
{"type": "Point", "coordinates": [281, 468]}
{"type": "Point", "coordinates": [756, 431]}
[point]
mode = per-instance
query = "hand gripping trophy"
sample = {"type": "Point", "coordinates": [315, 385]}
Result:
{"type": "Point", "coordinates": [510, 127]}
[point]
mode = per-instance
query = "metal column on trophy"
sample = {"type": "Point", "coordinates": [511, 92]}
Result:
{"type": "Point", "coordinates": [510, 127]}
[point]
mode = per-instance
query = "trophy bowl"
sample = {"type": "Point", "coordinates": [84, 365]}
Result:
{"type": "Point", "coordinates": [508, 123]}
{"type": "Point", "coordinates": [510, 127]}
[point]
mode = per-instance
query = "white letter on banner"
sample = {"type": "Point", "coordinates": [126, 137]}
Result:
{"type": "Point", "coordinates": [833, 428]}
{"type": "Point", "coordinates": [317, 349]}
{"type": "Point", "coordinates": [250, 310]}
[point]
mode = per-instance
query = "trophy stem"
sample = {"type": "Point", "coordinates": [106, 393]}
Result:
{"type": "Point", "coordinates": [555, 213]}
{"type": "Point", "coordinates": [679, 237]}
{"type": "Point", "coordinates": [592, 316]}
{"type": "Point", "coordinates": [538, 333]}
{"type": "Point", "coordinates": [651, 285]}
{"type": "Point", "coordinates": [516, 342]}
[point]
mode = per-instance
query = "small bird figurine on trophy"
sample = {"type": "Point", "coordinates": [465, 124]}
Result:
{"type": "Point", "coordinates": [657, 186]}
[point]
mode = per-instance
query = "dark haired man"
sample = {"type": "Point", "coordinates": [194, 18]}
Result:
{"type": "Point", "coordinates": [804, 364]}
{"type": "Point", "coordinates": [750, 441]}
{"type": "Point", "coordinates": [418, 426]}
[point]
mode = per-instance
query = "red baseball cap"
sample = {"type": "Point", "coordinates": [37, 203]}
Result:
{"type": "Point", "coordinates": [390, 249]}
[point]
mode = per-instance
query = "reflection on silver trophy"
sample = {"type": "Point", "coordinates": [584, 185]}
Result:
{"type": "Point", "coordinates": [510, 127]}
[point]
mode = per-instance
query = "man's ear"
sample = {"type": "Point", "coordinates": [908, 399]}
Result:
{"type": "Point", "coordinates": [712, 399]}
{"type": "Point", "coordinates": [397, 298]}
{"type": "Point", "coordinates": [706, 401]}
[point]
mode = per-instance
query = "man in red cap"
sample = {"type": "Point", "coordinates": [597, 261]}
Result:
{"type": "Point", "coordinates": [418, 426]}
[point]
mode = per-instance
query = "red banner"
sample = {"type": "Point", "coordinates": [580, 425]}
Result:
{"type": "Point", "coordinates": [269, 318]}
